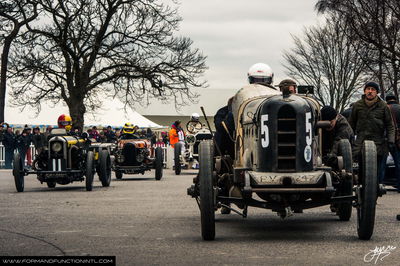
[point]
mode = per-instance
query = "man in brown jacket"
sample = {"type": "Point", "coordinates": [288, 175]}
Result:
{"type": "Point", "coordinates": [371, 119]}
{"type": "Point", "coordinates": [339, 129]}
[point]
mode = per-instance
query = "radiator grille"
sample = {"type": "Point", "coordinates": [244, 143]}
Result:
{"type": "Point", "coordinates": [286, 139]}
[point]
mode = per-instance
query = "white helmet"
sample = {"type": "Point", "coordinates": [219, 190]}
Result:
{"type": "Point", "coordinates": [195, 117]}
{"type": "Point", "coordinates": [260, 73]}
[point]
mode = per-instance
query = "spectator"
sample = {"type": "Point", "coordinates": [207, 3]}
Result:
{"type": "Point", "coordinates": [2, 132]}
{"type": "Point", "coordinates": [110, 135]}
{"type": "Point", "coordinates": [47, 134]}
{"type": "Point", "coordinates": [75, 131]}
{"type": "Point", "coordinates": [370, 119]}
{"type": "Point", "coordinates": [23, 143]}
{"type": "Point", "coordinates": [151, 136]}
{"type": "Point", "coordinates": [38, 139]}
{"type": "Point", "coordinates": [95, 133]}
{"type": "Point", "coordinates": [90, 133]}
{"type": "Point", "coordinates": [160, 142]}
{"type": "Point", "coordinates": [165, 137]}
{"type": "Point", "coordinates": [118, 133]}
{"type": "Point", "coordinates": [394, 108]}
{"type": "Point", "coordinates": [29, 151]}
{"type": "Point", "coordinates": [339, 129]}
{"type": "Point", "coordinates": [102, 137]}
{"type": "Point", "coordinates": [9, 143]}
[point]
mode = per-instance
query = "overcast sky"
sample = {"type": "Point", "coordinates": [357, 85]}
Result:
{"type": "Point", "coordinates": [233, 34]}
{"type": "Point", "coordinates": [236, 34]}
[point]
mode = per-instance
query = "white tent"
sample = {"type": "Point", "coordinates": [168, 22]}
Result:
{"type": "Point", "coordinates": [119, 118]}
{"type": "Point", "coordinates": [110, 114]}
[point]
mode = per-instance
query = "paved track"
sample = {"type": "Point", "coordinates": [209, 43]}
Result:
{"type": "Point", "coordinates": [142, 221]}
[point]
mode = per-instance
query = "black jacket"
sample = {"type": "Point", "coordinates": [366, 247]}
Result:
{"type": "Point", "coordinates": [39, 140]}
{"type": "Point", "coordinates": [9, 141]}
{"type": "Point", "coordinates": [23, 142]}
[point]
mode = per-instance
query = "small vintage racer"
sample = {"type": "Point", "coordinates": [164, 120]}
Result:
{"type": "Point", "coordinates": [134, 154]}
{"type": "Point", "coordinates": [278, 157]}
{"type": "Point", "coordinates": [65, 160]}
{"type": "Point", "coordinates": [196, 132]}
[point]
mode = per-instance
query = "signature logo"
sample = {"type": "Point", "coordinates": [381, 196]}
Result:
{"type": "Point", "coordinates": [379, 253]}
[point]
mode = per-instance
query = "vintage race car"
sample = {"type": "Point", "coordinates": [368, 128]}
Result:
{"type": "Point", "coordinates": [66, 159]}
{"type": "Point", "coordinates": [135, 155]}
{"type": "Point", "coordinates": [278, 158]}
{"type": "Point", "coordinates": [197, 132]}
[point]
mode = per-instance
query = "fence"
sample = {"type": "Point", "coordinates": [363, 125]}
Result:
{"type": "Point", "coordinates": [3, 154]}
{"type": "Point", "coordinates": [166, 152]}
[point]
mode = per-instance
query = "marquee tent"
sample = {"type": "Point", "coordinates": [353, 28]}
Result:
{"type": "Point", "coordinates": [105, 117]}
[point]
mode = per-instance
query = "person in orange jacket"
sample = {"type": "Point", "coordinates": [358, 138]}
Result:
{"type": "Point", "coordinates": [176, 133]}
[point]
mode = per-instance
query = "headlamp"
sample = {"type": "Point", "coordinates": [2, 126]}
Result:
{"type": "Point", "coordinates": [56, 146]}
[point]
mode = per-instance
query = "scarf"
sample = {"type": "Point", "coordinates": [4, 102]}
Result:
{"type": "Point", "coordinates": [369, 103]}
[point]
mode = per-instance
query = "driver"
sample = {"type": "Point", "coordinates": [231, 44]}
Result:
{"type": "Point", "coordinates": [65, 121]}
{"type": "Point", "coordinates": [128, 132]}
{"type": "Point", "coordinates": [194, 123]}
{"type": "Point", "coordinates": [260, 77]}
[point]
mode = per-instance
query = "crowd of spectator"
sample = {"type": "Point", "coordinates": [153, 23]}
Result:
{"type": "Point", "coordinates": [21, 139]}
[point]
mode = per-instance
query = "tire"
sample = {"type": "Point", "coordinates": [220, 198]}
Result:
{"type": "Point", "coordinates": [369, 189]}
{"type": "Point", "coordinates": [207, 205]}
{"type": "Point", "coordinates": [345, 152]}
{"type": "Point", "coordinates": [118, 175]}
{"type": "Point", "coordinates": [105, 168]}
{"type": "Point", "coordinates": [51, 184]}
{"type": "Point", "coordinates": [18, 172]}
{"type": "Point", "coordinates": [346, 187]}
{"type": "Point", "coordinates": [177, 161]}
{"type": "Point", "coordinates": [159, 163]}
{"type": "Point", "coordinates": [89, 171]}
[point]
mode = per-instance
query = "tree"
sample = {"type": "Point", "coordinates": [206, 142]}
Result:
{"type": "Point", "coordinates": [92, 49]}
{"type": "Point", "coordinates": [14, 15]}
{"type": "Point", "coordinates": [328, 60]}
{"type": "Point", "coordinates": [376, 23]}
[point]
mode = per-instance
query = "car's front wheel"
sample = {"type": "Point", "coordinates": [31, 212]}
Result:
{"type": "Point", "coordinates": [368, 191]}
{"type": "Point", "coordinates": [158, 163]}
{"type": "Point", "coordinates": [105, 168]}
{"type": "Point", "coordinates": [207, 192]}
{"type": "Point", "coordinates": [18, 174]}
{"type": "Point", "coordinates": [177, 158]}
{"type": "Point", "coordinates": [89, 171]}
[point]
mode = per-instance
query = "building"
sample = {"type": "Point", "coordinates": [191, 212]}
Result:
{"type": "Point", "coordinates": [165, 114]}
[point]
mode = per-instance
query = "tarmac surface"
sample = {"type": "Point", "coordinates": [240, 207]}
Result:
{"type": "Point", "coordinates": [146, 222]}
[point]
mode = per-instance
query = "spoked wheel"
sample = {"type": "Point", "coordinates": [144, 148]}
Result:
{"type": "Point", "coordinates": [346, 186]}
{"type": "Point", "coordinates": [89, 171]}
{"type": "Point", "coordinates": [177, 158]}
{"type": "Point", "coordinates": [51, 184]}
{"type": "Point", "coordinates": [18, 173]}
{"type": "Point", "coordinates": [159, 163]}
{"type": "Point", "coordinates": [105, 168]}
{"type": "Point", "coordinates": [207, 197]}
{"type": "Point", "coordinates": [367, 191]}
